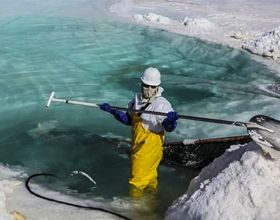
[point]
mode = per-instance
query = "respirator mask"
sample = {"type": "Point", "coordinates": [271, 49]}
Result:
{"type": "Point", "coordinates": [148, 91]}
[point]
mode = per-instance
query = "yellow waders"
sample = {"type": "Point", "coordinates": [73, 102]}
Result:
{"type": "Point", "coordinates": [146, 154]}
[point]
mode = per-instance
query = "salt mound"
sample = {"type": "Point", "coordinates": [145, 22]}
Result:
{"type": "Point", "coordinates": [241, 184]}
{"type": "Point", "coordinates": [152, 18]}
{"type": "Point", "coordinates": [267, 44]}
{"type": "Point", "coordinates": [274, 87]}
{"type": "Point", "coordinates": [190, 23]}
{"type": "Point", "coordinates": [271, 89]}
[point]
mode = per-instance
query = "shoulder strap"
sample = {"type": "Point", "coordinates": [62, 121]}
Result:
{"type": "Point", "coordinates": [143, 108]}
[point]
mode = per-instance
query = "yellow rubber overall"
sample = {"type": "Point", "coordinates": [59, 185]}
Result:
{"type": "Point", "coordinates": [146, 154]}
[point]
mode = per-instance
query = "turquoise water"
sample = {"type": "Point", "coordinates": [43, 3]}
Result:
{"type": "Point", "coordinates": [101, 61]}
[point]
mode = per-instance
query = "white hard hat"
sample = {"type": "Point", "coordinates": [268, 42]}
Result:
{"type": "Point", "coordinates": [151, 77]}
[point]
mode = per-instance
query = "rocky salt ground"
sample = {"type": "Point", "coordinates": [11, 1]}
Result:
{"type": "Point", "coordinates": [241, 184]}
{"type": "Point", "coordinates": [267, 44]}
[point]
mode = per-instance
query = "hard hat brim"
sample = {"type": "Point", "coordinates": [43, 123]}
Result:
{"type": "Point", "coordinates": [149, 82]}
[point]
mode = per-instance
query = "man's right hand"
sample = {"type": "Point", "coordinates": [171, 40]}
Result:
{"type": "Point", "coordinates": [119, 115]}
{"type": "Point", "coordinates": [106, 107]}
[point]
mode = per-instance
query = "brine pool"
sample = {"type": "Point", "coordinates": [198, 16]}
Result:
{"type": "Point", "coordinates": [101, 61]}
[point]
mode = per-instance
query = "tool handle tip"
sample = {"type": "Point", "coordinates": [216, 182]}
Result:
{"type": "Point", "coordinates": [50, 99]}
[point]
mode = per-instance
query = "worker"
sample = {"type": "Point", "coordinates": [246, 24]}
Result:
{"type": "Point", "coordinates": [147, 131]}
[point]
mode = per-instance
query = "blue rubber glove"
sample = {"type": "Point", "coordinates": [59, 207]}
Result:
{"type": "Point", "coordinates": [170, 122]}
{"type": "Point", "coordinates": [107, 108]}
{"type": "Point", "coordinates": [122, 117]}
{"type": "Point", "coordinates": [119, 115]}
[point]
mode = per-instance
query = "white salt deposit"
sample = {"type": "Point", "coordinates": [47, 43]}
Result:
{"type": "Point", "coordinates": [154, 18]}
{"type": "Point", "coordinates": [3, 210]}
{"type": "Point", "coordinates": [15, 200]}
{"type": "Point", "coordinates": [271, 89]}
{"type": "Point", "coordinates": [7, 187]}
{"type": "Point", "coordinates": [188, 22]}
{"type": "Point", "coordinates": [241, 184]}
{"type": "Point", "coordinates": [242, 35]}
{"type": "Point", "coordinates": [267, 44]}
{"type": "Point", "coordinates": [197, 23]}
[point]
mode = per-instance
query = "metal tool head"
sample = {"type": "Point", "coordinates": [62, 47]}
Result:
{"type": "Point", "coordinates": [50, 99]}
{"type": "Point", "coordinates": [267, 133]}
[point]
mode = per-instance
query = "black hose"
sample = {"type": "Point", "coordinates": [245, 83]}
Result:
{"type": "Point", "coordinates": [67, 203]}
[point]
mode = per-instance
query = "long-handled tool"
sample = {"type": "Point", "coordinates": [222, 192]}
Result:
{"type": "Point", "coordinates": [195, 118]}
{"type": "Point", "coordinates": [255, 125]}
